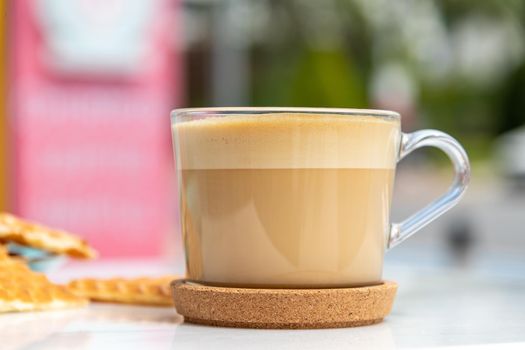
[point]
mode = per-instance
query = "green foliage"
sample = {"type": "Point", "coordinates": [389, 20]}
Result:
{"type": "Point", "coordinates": [327, 79]}
{"type": "Point", "coordinates": [325, 54]}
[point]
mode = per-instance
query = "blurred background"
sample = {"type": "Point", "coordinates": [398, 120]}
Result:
{"type": "Point", "coordinates": [87, 87]}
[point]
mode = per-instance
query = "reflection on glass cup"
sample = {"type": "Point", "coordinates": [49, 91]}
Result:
{"type": "Point", "coordinates": [296, 198]}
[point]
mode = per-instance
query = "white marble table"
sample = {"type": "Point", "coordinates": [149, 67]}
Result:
{"type": "Point", "coordinates": [479, 307]}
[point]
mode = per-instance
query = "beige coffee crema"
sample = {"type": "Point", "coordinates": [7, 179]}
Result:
{"type": "Point", "coordinates": [288, 141]}
{"type": "Point", "coordinates": [286, 200]}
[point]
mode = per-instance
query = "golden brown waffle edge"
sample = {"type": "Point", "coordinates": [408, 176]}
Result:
{"type": "Point", "coordinates": [16, 230]}
{"type": "Point", "coordinates": [142, 290]}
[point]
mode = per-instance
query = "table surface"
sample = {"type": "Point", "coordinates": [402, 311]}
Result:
{"type": "Point", "coordinates": [436, 306]}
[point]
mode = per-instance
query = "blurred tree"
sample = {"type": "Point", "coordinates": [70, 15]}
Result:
{"type": "Point", "coordinates": [463, 59]}
{"type": "Point", "coordinates": [513, 101]}
{"type": "Point", "coordinates": [328, 79]}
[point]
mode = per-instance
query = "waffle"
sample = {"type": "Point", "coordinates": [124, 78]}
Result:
{"type": "Point", "coordinates": [143, 290]}
{"type": "Point", "coordinates": [3, 253]}
{"type": "Point", "coordinates": [13, 229]}
{"type": "Point", "coordinates": [24, 290]}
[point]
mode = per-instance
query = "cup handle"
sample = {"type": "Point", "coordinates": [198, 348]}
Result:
{"type": "Point", "coordinates": [434, 138]}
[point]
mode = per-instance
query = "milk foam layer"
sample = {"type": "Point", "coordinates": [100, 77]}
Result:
{"type": "Point", "coordinates": [279, 141]}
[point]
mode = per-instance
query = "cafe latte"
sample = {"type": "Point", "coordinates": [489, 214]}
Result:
{"type": "Point", "coordinates": [286, 200]}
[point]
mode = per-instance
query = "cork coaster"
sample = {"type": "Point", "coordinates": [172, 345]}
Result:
{"type": "Point", "coordinates": [283, 308]}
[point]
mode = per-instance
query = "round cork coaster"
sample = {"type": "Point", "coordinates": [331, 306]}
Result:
{"type": "Point", "coordinates": [283, 308]}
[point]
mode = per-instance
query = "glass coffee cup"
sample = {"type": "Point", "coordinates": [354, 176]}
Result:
{"type": "Point", "coordinates": [296, 197]}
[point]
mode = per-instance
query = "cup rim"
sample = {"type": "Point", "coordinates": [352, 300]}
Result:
{"type": "Point", "coordinates": [266, 110]}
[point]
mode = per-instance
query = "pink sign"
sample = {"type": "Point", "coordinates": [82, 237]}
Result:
{"type": "Point", "coordinates": [92, 85]}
